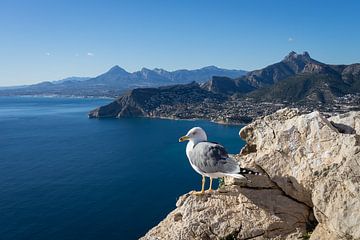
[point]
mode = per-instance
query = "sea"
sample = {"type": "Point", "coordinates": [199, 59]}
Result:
{"type": "Point", "coordinates": [64, 176]}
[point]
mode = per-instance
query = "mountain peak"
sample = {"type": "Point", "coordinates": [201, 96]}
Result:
{"type": "Point", "coordinates": [144, 69]}
{"type": "Point", "coordinates": [212, 67]}
{"type": "Point", "coordinates": [117, 70]}
{"type": "Point", "coordinates": [305, 56]}
{"type": "Point", "coordinates": [160, 70]}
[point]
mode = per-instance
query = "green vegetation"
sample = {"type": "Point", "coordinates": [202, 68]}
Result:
{"type": "Point", "coordinates": [307, 236]}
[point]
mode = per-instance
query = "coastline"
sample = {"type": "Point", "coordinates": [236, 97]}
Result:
{"type": "Point", "coordinates": [180, 119]}
{"type": "Point", "coordinates": [58, 96]}
{"type": "Point", "coordinates": [199, 119]}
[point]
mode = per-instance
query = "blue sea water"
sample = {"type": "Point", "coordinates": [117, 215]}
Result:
{"type": "Point", "coordinates": [64, 176]}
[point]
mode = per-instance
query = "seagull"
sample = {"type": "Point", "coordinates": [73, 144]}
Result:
{"type": "Point", "coordinates": [210, 159]}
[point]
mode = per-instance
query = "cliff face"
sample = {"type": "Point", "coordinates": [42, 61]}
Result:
{"type": "Point", "coordinates": [310, 183]}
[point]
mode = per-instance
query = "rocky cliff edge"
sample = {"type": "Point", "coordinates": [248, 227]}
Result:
{"type": "Point", "coordinates": [310, 187]}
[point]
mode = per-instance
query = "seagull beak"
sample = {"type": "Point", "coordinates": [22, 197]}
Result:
{"type": "Point", "coordinates": [183, 138]}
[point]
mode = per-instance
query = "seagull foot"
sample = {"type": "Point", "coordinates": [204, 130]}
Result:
{"type": "Point", "coordinates": [197, 193]}
{"type": "Point", "coordinates": [209, 191]}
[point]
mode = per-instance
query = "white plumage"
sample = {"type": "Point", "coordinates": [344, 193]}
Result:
{"type": "Point", "coordinates": [210, 159]}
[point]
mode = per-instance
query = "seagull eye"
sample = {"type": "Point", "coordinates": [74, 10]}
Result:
{"type": "Point", "coordinates": [194, 133]}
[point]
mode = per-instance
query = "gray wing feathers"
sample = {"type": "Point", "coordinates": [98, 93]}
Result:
{"type": "Point", "coordinates": [211, 157]}
{"type": "Point", "coordinates": [229, 166]}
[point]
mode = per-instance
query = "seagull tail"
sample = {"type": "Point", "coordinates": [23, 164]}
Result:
{"type": "Point", "coordinates": [242, 171]}
{"type": "Point", "coordinates": [248, 171]}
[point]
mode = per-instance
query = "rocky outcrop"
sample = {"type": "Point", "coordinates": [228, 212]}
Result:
{"type": "Point", "coordinates": [310, 183]}
{"type": "Point", "coordinates": [315, 161]}
{"type": "Point", "coordinates": [231, 213]}
{"type": "Point", "coordinates": [347, 123]}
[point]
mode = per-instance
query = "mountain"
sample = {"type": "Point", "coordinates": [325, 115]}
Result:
{"type": "Point", "coordinates": [67, 80]}
{"type": "Point", "coordinates": [71, 80]}
{"type": "Point", "coordinates": [204, 74]}
{"type": "Point", "coordinates": [117, 81]}
{"type": "Point", "coordinates": [291, 65]}
{"type": "Point", "coordinates": [119, 78]}
{"type": "Point", "coordinates": [296, 80]}
{"type": "Point", "coordinates": [227, 85]}
{"type": "Point", "coordinates": [143, 101]}
{"type": "Point", "coordinates": [351, 75]}
{"type": "Point", "coordinates": [315, 83]}
{"type": "Point", "coordinates": [305, 87]}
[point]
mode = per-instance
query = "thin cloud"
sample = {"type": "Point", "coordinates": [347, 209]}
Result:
{"type": "Point", "coordinates": [291, 39]}
{"type": "Point", "coordinates": [47, 54]}
{"type": "Point", "coordinates": [76, 54]}
{"type": "Point", "coordinates": [90, 54]}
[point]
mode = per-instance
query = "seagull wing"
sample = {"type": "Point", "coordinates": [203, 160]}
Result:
{"type": "Point", "coordinates": [212, 157]}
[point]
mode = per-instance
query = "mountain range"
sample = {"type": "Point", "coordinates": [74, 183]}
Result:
{"type": "Point", "coordinates": [296, 80]}
{"type": "Point", "coordinates": [117, 80]}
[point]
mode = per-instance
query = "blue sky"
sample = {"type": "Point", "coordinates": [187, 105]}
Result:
{"type": "Point", "coordinates": [50, 40]}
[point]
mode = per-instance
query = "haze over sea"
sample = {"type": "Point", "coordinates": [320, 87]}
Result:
{"type": "Point", "coordinates": [64, 176]}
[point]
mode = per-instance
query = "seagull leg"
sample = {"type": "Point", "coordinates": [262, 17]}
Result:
{"type": "Point", "coordinates": [202, 187]}
{"type": "Point", "coordinates": [210, 189]}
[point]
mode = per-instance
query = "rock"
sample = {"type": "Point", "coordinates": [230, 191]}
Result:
{"type": "Point", "coordinates": [336, 199]}
{"type": "Point", "coordinates": [295, 150]}
{"type": "Point", "coordinates": [321, 232]}
{"type": "Point", "coordinates": [232, 214]}
{"type": "Point", "coordinates": [309, 185]}
{"type": "Point", "coordinates": [347, 123]}
{"type": "Point", "coordinates": [315, 161]}
{"type": "Point", "coordinates": [254, 181]}
{"type": "Point", "coordinates": [255, 209]}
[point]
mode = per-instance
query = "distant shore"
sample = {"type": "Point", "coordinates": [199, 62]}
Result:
{"type": "Point", "coordinates": [59, 96]}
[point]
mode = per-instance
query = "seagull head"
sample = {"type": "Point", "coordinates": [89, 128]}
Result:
{"type": "Point", "coordinates": [196, 134]}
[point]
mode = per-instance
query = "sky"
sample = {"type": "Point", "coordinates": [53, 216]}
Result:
{"type": "Point", "coordinates": [52, 40]}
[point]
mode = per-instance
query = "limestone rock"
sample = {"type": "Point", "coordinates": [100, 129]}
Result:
{"type": "Point", "coordinates": [240, 213]}
{"type": "Point", "coordinates": [295, 150]}
{"type": "Point", "coordinates": [337, 199]}
{"type": "Point", "coordinates": [322, 233]}
{"type": "Point", "coordinates": [347, 123]}
{"type": "Point", "coordinates": [314, 161]}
